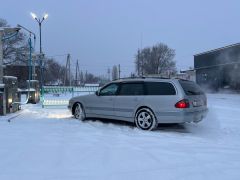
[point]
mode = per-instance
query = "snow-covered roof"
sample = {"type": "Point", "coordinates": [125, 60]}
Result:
{"type": "Point", "coordinates": [9, 29]}
{"type": "Point", "coordinates": [10, 77]}
{"type": "Point", "coordinates": [2, 85]}
{"type": "Point", "coordinates": [2, 28]}
{"type": "Point", "coordinates": [92, 85]}
{"type": "Point", "coordinates": [218, 49]}
{"type": "Point", "coordinates": [32, 80]}
{"type": "Point", "coordinates": [26, 90]}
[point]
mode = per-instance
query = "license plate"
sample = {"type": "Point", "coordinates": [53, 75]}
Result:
{"type": "Point", "coordinates": [197, 103]}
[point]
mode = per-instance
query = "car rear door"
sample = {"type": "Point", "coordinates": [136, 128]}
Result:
{"type": "Point", "coordinates": [129, 96]}
{"type": "Point", "coordinates": [161, 97]}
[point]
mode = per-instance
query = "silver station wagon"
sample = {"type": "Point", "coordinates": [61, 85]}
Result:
{"type": "Point", "coordinates": [144, 101]}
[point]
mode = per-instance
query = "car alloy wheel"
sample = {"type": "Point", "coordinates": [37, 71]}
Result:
{"type": "Point", "coordinates": [79, 112]}
{"type": "Point", "coordinates": [145, 119]}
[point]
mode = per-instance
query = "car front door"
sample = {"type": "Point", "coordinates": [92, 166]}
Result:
{"type": "Point", "coordinates": [102, 103]}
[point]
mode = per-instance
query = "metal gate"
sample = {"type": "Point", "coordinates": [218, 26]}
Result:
{"type": "Point", "coordinates": [60, 95]}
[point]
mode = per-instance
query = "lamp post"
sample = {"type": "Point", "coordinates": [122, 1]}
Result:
{"type": "Point", "coordinates": [31, 49]}
{"type": "Point", "coordinates": [39, 21]}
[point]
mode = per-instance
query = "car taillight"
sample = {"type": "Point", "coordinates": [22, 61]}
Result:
{"type": "Point", "coordinates": [182, 104]}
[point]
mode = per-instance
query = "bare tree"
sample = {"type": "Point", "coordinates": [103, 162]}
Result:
{"type": "Point", "coordinates": [16, 53]}
{"type": "Point", "coordinates": [53, 72]}
{"type": "Point", "coordinates": [15, 49]}
{"type": "Point", "coordinates": [90, 78]}
{"type": "Point", "coordinates": [155, 60]}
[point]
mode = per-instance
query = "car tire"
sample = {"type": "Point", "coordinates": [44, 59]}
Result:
{"type": "Point", "coordinates": [145, 119]}
{"type": "Point", "coordinates": [79, 112]}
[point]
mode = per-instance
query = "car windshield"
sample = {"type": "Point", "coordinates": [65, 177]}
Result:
{"type": "Point", "coordinates": [191, 88]}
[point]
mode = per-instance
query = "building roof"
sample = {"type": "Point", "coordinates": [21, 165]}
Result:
{"type": "Point", "coordinates": [9, 77]}
{"type": "Point", "coordinates": [218, 49]}
{"type": "Point", "coordinates": [2, 85]}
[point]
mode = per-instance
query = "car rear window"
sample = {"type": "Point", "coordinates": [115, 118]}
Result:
{"type": "Point", "coordinates": [131, 89]}
{"type": "Point", "coordinates": [160, 88]}
{"type": "Point", "coordinates": [191, 88]}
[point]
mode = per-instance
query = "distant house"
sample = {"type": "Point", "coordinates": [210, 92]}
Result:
{"type": "Point", "coordinates": [219, 68]}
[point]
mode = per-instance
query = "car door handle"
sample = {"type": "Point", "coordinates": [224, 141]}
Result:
{"type": "Point", "coordinates": [135, 99]}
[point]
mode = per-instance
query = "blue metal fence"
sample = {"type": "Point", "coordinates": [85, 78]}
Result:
{"type": "Point", "coordinates": [52, 94]}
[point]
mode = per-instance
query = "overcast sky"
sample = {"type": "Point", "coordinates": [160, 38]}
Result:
{"type": "Point", "coordinates": [101, 33]}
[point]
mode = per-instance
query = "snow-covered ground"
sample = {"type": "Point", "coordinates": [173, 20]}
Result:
{"type": "Point", "coordinates": [47, 144]}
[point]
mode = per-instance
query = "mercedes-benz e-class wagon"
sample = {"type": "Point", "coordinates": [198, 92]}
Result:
{"type": "Point", "coordinates": [144, 101]}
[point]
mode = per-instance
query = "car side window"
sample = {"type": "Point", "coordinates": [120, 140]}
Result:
{"type": "Point", "coordinates": [110, 90]}
{"type": "Point", "coordinates": [131, 89]}
{"type": "Point", "coordinates": [160, 88]}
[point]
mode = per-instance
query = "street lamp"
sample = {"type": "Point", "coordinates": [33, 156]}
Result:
{"type": "Point", "coordinates": [40, 20]}
{"type": "Point", "coordinates": [31, 69]}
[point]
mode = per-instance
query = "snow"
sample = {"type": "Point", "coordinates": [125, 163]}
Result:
{"type": "Point", "coordinates": [2, 85]}
{"type": "Point", "coordinates": [28, 89]}
{"type": "Point", "coordinates": [10, 77]}
{"type": "Point", "coordinates": [46, 144]}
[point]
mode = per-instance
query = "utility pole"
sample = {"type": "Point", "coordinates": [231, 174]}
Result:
{"type": "Point", "coordinates": [67, 76]}
{"type": "Point", "coordinates": [141, 64]}
{"type": "Point", "coordinates": [86, 77]}
{"type": "Point", "coordinates": [119, 72]}
{"type": "Point", "coordinates": [108, 71]}
{"type": "Point", "coordinates": [34, 67]}
{"type": "Point", "coordinates": [1, 57]}
{"type": "Point", "coordinates": [77, 76]}
{"type": "Point", "coordinates": [141, 57]}
{"type": "Point", "coordinates": [138, 62]}
{"type": "Point", "coordinates": [70, 79]}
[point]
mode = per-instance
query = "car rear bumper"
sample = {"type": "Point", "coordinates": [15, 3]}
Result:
{"type": "Point", "coordinates": [195, 116]}
{"type": "Point", "coordinates": [182, 116]}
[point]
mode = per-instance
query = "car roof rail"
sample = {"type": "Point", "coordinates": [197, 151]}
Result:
{"type": "Point", "coordinates": [134, 77]}
{"type": "Point", "coordinates": [156, 77]}
{"type": "Point", "coordinates": [144, 77]}
{"type": "Point", "coordinates": [182, 79]}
